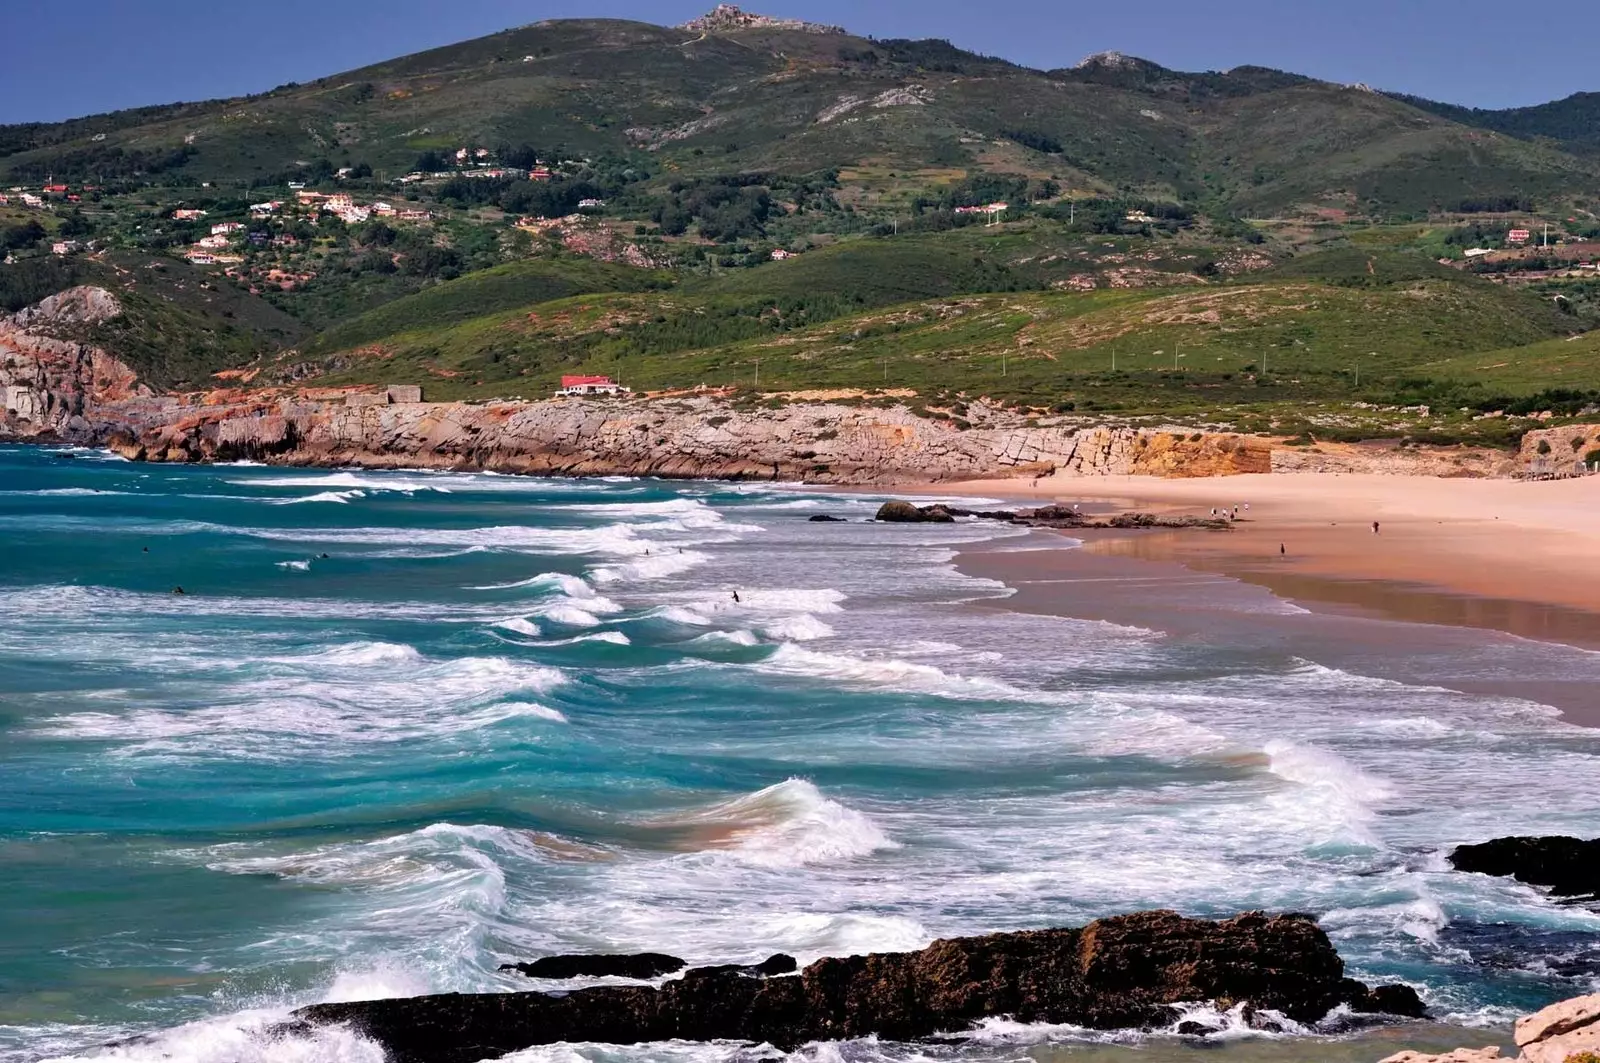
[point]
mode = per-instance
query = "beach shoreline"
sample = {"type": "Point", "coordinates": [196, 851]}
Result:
{"type": "Point", "coordinates": [1519, 557]}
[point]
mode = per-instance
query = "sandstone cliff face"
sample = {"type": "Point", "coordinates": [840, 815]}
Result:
{"type": "Point", "coordinates": [52, 386]}
{"type": "Point", "coordinates": [1559, 451]}
{"type": "Point", "coordinates": [698, 437]}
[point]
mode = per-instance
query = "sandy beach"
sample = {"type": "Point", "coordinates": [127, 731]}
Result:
{"type": "Point", "coordinates": [1516, 556]}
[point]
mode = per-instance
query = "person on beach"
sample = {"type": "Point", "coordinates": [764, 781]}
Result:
{"type": "Point", "coordinates": [1282, 550]}
{"type": "Point", "coordinates": [1374, 527]}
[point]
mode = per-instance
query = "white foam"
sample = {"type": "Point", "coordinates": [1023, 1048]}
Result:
{"type": "Point", "coordinates": [793, 660]}
{"type": "Point", "coordinates": [729, 638]}
{"type": "Point", "coordinates": [1335, 794]}
{"type": "Point", "coordinates": [615, 638]}
{"type": "Point", "coordinates": [679, 615]}
{"type": "Point", "coordinates": [332, 702]}
{"type": "Point", "coordinates": [652, 566]}
{"type": "Point", "coordinates": [365, 655]}
{"type": "Point", "coordinates": [347, 482]}
{"type": "Point", "coordinates": [67, 492]}
{"type": "Point", "coordinates": [342, 497]}
{"type": "Point", "coordinates": [243, 1037]}
{"type": "Point", "coordinates": [528, 708]}
{"type": "Point", "coordinates": [802, 628]}
{"type": "Point", "coordinates": [520, 625]}
{"type": "Point", "coordinates": [792, 824]}
{"type": "Point", "coordinates": [295, 566]}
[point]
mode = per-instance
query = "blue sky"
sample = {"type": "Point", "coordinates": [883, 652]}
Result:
{"type": "Point", "coordinates": [62, 60]}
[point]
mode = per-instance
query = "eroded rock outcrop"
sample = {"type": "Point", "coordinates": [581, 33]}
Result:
{"type": "Point", "coordinates": [1122, 972]}
{"type": "Point", "coordinates": [51, 385]}
{"type": "Point", "coordinates": [1566, 1031]}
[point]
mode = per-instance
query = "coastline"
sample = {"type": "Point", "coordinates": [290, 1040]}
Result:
{"type": "Point", "coordinates": [1522, 557]}
{"type": "Point", "coordinates": [1441, 577]}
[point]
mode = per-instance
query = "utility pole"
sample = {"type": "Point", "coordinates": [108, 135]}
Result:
{"type": "Point", "coordinates": [1113, 357]}
{"type": "Point", "coordinates": [1175, 356]}
{"type": "Point", "coordinates": [758, 372]}
{"type": "Point", "coordinates": [1002, 362]}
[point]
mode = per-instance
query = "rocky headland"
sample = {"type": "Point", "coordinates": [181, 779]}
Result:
{"type": "Point", "coordinates": [58, 387]}
{"type": "Point", "coordinates": [1123, 972]}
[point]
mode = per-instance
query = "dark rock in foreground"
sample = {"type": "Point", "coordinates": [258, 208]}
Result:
{"type": "Point", "coordinates": [1570, 867]}
{"type": "Point", "coordinates": [1114, 973]}
{"type": "Point", "coordinates": [644, 966]}
{"type": "Point", "coordinates": [823, 518]}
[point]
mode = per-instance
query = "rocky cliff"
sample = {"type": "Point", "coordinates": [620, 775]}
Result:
{"type": "Point", "coordinates": [57, 387]}
{"type": "Point", "coordinates": [53, 385]}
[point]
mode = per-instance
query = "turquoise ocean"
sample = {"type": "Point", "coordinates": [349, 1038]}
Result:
{"type": "Point", "coordinates": [404, 727]}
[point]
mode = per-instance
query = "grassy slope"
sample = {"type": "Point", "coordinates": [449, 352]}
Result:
{"type": "Point", "coordinates": [1569, 362]}
{"type": "Point", "coordinates": [485, 292]}
{"type": "Point", "coordinates": [1311, 324]}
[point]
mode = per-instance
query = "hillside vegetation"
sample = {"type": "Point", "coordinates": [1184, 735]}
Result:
{"type": "Point", "coordinates": [738, 100]}
{"type": "Point", "coordinates": [777, 211]}
{"type": "Point", "coordinates": [178, 328]}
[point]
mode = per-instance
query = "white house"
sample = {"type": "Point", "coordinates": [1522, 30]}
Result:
{"type": "Point", "coordinates": [591, 385]}
{"type": "Point", "coordinates": [223, 228]}
{"type": "Point", "coordinates": [214, 243]}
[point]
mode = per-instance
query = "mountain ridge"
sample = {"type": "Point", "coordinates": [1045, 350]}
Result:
{"type": "Point", "coordinates": [753, 93]}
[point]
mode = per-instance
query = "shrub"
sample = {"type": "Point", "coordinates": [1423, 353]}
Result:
{"type": "Point", "coordinates": [1544, 446]}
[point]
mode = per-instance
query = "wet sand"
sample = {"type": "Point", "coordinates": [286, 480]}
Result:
{"type": "Point", "coordinates": [1052, 576]}
{"type": "Point", "coordinates": [1510, 555]}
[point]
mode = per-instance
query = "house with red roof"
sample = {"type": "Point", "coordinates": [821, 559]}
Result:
{"type": "Point", "coordinates": [591, 385]}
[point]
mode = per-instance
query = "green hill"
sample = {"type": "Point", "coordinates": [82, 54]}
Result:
{"type": "Point", "coordinates": [743, 100]}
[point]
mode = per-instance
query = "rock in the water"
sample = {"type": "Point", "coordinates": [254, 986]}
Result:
{"type": "Point", "coordinates": [823, 518]}
{"type": "Point", "coordinates": [1127, 971]}
{"type": "Point", "coordinates": [1570, 867]}
{"type": "Point", "coordinates": [906, 513]}
{"type": "Point", "coordinates": [643, 965]}
{"type": "Point", "coordinates": [767, 968]}
{"type": "Point", "coordinates": [1559, 1019]}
